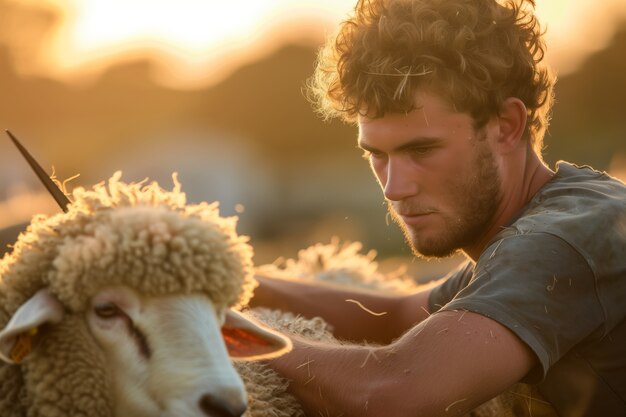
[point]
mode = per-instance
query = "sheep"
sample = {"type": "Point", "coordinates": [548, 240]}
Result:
{"type": "Point", "coordinates": [114, 308]}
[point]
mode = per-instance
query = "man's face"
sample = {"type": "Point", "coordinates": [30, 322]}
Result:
{"type": "Point", "coordinates": [437, 173]}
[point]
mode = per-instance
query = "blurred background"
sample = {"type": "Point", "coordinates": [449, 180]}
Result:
{"type": "Point", "coordinates": [213, 90]}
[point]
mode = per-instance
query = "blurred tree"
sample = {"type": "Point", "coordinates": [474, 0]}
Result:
{"type": "Point", "coordinates": [588, 119]}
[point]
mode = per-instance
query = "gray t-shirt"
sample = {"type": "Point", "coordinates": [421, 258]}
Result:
{"type": "Point", "coordinates": [556, 277]}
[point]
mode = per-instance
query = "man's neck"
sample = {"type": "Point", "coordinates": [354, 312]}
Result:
{"type": "Point", "coordinates": [520, 183]}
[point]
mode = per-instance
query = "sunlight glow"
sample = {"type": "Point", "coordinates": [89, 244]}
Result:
{"type": "Point", "coordinates": [192, 23]}
{"type": "Point", "coordinates": [191, 41]}
{"type": "Point", "coordinates": [193, 33]}
{"type": "Point", "coordinates": [576, 28]}
{"type": "Point", "coordinates": [199, 41]}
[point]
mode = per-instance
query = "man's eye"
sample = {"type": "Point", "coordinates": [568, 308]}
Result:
{"type": "Point", "coordinates": [420, 151]}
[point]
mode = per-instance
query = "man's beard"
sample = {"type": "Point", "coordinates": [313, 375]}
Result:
{"type": "Point", "coordinates": [476, 200]}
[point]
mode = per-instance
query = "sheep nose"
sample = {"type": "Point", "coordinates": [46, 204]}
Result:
{"type": "Point", "coordinates": [213, 406]}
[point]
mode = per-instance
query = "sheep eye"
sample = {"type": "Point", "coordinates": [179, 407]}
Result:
{"type": "Point", "coordinates": [107, 310]}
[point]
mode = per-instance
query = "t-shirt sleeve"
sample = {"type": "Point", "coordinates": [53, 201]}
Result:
{"type": "Point", "coordinates": [540, 288]}
{"type": "Point", "coordinates": [443, 293]}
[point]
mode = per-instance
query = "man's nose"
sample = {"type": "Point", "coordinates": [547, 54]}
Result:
{"type": "Point", "coordinates": [400, 180]}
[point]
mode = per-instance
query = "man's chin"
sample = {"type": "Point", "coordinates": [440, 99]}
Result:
{"type": "Point", "coordinates": [432, 253]}
{"type": "Point", "coordinates": [425, 242]}
{"type": "Point", "coordinates": [430, 248]}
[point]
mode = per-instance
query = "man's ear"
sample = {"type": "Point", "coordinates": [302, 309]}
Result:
{"type": "Point", "coordinates": [248, 340]}
{"type": "Point", "coordinates": [16, 339]}
{"type": "Point", "coordinates": [512, 123]}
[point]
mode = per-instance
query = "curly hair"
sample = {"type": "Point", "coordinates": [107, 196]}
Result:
{"type": "Point", "coordinates": [474, 53]}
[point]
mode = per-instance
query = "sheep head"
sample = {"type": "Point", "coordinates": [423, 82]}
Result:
{"type": "Point", "coordinates": [153, 281]}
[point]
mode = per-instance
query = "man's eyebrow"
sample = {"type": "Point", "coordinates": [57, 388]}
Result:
{"type": "Point", "coordinates": [366, 147]}
{"type": "Point", "coordinates": [423, 142]}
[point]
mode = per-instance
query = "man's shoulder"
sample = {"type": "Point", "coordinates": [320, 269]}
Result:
{"type": "Point", "coordinates": [576, 191]}
{"type": "Point", "coordinates": [583, 207]}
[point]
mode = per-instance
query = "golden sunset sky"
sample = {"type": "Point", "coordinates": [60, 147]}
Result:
{"type": "Point", "coordinates": [199, 42]}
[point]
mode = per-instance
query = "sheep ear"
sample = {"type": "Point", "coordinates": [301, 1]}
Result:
{"type": "Point", "coordinates": [248, 340]}
{"type": "Point", "coordinates": [16, 339]}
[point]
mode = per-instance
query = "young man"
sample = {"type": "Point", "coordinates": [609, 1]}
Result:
{"type": "Point", "coordinates": [452, 100]}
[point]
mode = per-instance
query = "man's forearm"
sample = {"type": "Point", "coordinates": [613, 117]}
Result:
{"type": "Point", "coordinates": [445, 366]}
{"type": "Point", "coordinates": [355, 315]}
{"type": "Point", "coordinates": [317, 374]}
{"type": "Point", "coordinates": [357, 380]}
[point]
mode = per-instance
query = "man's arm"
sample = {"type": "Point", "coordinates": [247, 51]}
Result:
{"type": "Point", "coordinates": [445, 366]}
{"type": "Point", "coordinates": [356, 315]}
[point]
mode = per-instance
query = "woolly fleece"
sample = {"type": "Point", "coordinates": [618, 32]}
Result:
{"type": "Point", "coordinates": [140, 236]}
